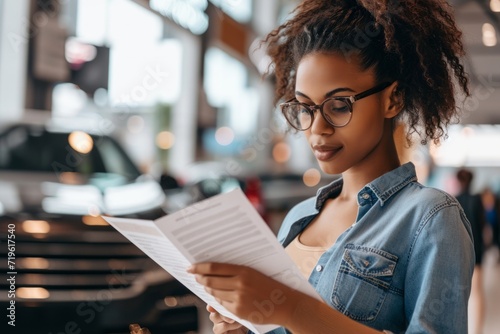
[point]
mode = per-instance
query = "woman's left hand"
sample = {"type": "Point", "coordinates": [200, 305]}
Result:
{"type": "Point", "coordinates": [246, 292]}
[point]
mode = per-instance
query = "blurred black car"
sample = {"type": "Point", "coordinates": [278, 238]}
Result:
{"type": "Point", "coordinates": [64, 269]}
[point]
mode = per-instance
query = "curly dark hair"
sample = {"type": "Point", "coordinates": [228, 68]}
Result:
{"type": "Point", "coordinates": [414, 42]}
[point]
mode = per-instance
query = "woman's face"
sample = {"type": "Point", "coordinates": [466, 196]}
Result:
{"type": "Point", "coordinates": [358, 143]}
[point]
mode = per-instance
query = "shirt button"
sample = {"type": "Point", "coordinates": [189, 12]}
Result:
{"type": "Point", "coordinates": [365, 196]}
{"type": "Point", "coordinates": [319, 267]}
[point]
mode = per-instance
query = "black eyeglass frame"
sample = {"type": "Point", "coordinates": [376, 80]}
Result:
{"type": "Point", "coordinates": [348, 100]}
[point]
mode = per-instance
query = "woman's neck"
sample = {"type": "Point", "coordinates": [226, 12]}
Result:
{"type": "Point", "coordinates": [380, 161]}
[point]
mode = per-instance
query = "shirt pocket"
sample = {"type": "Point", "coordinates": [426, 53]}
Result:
{"type": "Point", "coordinates": [363, 282]}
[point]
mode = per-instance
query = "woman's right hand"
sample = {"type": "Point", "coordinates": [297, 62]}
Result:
{"type": "Point", "coordinates": [224, 325]}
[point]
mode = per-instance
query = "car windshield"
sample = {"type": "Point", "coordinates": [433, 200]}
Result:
{"type": "Point", "coordinates": [35, 149]}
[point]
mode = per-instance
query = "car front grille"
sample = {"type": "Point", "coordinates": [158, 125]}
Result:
{"type": "Point", "coordinates": [92, 276]}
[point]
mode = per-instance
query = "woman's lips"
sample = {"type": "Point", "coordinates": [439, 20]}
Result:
{"type": "Point", "coordinates": [324, 153]}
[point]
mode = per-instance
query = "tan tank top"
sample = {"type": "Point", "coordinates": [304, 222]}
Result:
{"type": "Point", "coordinates": [305, 257]}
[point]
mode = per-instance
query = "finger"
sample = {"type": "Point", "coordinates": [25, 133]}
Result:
{"type": "Point", "coordinates": [217, 317]}
{"type": "Point", "coordinates": [214, 268]}
{"type": "Point", "coordinates": [222, 295]}
{"type": "Point", "coordinates": [223, 327]}
{"type": "Point", "coordinates": [134, 328]}
{"type": "Point", "coordinates": [217, 282]}
{"type": "Point", "coordinates": [228, 320]}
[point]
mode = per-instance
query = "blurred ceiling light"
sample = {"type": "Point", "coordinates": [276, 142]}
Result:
{"type": "Point", "coordinates": [94, 221]}
{"type": "Point", "coordinates": [489, 35]}
{"type": "Point", "coordinates": [281, 152]}
{"type": "Point", "coordinates": [165, 140]}
{"type": "Point", "coordinates": [311, 177]}
{"type": "Point", "coordinates": [36, 226]}
{"type": "Point", "coordinates": [32, 293]}
{"type": "Point", "coordinates": [224, 136]}
{"type": "Point", "coordinates": [135, 124]}
{"type": "Point", "coordinates": [33, 263]}
{"type": "Point", "coordinates": [81, 142]}
{"type": "Point", "coordinates": [495, 5]}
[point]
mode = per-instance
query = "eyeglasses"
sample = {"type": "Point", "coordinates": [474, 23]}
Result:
{"type": "Point", "coordinates": [337, 110]}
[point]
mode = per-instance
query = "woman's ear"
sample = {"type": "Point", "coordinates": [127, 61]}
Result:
{"type": "Point", "coordinates": [393, 101]}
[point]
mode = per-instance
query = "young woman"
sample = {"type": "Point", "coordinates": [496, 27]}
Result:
{"type": "Point", "coordinates": [388, 253]}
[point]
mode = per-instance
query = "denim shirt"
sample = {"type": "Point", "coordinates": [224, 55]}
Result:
{"type": "Point", "coordinates": [404, 266]}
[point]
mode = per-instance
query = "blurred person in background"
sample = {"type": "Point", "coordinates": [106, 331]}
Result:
{"type": "Point", "coordinates": [491, 206]}
{"type": "Point", "coordinates": [385, 253]}
{"type": "Point", "coordinates": [473, 208]}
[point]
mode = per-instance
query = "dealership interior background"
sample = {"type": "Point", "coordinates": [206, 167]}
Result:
{"type": "Point", "coordinates": [179, 88]}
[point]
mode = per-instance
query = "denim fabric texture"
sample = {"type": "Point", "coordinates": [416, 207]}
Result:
{"type": "Point", "coordinates": [404, 266]}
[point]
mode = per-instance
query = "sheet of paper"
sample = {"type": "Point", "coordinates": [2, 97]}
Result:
{"type": "Point", "coordinates": [148, 238]}
{"type": "Point", "coordinates": [224, 228]}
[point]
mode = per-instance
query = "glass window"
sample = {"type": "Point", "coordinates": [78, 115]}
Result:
{"type": "Point", "coordinates": [91, 23]}
{"type": "Point", "coordinates": [2, 19]}
{"type": "Point", "coordinates": [468, 145]}
{"type": "Point", "coordinates": [189, 14]}
{"type": "Point", "coordinates": [144, 66]}
{"type": "Point", "coordinates": [240, 10]}
{"type": "Point", "coordinates": [229, 91]}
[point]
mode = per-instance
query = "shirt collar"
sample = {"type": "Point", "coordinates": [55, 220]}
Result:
{"type": "Point", "coordinates": [383, 187]}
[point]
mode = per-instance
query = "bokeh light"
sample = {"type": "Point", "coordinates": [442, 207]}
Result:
{"type": "Point", "coordinates": [224, 136]}
{"type": "Point", "coordinates": [489, 35]}
{"type": "Point", "coordinates": [81, 142]}
{"type": "Point", "coordinates": [36, 226]}
{"type": "Point", "coordinates": [135, 124]}
{"type": "Point", "coordinates": [311, 177]}
{"type": "Point", "coordinates": [165, 140]}
{"type": "Point", "coordinates": [281, 152]}
{"type": "Point", "coordinates": [32, 293]}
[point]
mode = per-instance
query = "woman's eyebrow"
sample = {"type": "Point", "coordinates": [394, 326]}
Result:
{"type": "Point", "coordinates": [338, 90]}
{"type": "Point", "coordinates": [327, 95]}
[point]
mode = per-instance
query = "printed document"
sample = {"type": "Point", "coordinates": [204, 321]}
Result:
{"type": "Point", "coordinates": [225, 228]}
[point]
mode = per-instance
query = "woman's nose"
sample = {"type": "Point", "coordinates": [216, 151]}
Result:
{"type": "Point", "coordinates": [320, 125]}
